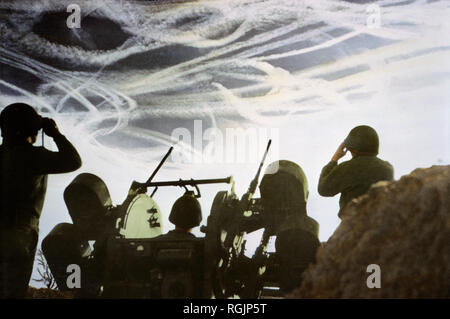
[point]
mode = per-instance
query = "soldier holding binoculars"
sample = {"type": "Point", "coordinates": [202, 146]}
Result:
{"type": "Point", "coordinates": [23, 184]}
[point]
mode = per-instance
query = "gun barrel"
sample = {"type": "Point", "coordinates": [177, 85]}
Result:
{"type": "Point", "coordinates": [254, 182]}
{"type": "Point", "coordinates": [192, 182]}
{"type": "Point", "coordinates": [159, 166]}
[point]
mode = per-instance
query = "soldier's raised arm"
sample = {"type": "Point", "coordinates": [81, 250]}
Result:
{"type": "Point", "coordinates": [332, 179]}
{"type": "Point", "coordinates": [65, 160]}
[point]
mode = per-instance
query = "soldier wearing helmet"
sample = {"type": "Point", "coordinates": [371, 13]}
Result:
{"type": "Point", "coordinates": [354, 177]}
{"type": "Point", "coordinates": [186, 214]}
{"type": "Point", "coordinates": [23, 183]}
{"type": "Point", "coordinates": [183, 276]}
{"type": "Point", "coordinates": [284, 194]}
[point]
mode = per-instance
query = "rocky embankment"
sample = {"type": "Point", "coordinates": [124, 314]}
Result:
{"type": "Point", "coordinates": [402, 226]}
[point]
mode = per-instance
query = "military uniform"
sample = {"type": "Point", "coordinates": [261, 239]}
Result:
{"type": "Point", "coordinates": [180, 254]}
{"type": "Point", "coordinates": [23, 184]}
{"type": "Point", "coordinates": [186, 213]}
{"type": "Point", "coordinates": [284, 193]}
{"type": "Point", "coordinates": [295, 249]}
{"type": "Point", "coordinates": [353, 178]}
{"type": "Point", "coordinates": [177, 235]}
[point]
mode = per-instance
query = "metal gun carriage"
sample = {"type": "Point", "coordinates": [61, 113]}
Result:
{"type": "Point", "coordinates": [131, 260]}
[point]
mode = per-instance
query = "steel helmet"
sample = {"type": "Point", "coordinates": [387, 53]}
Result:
{"type": "Point", "coordinates": [283, 177]}
{"type": "Point", "coordinates": [19, 120]}
{"type": "Point", "coordinates": [186, 211]}
{"type": "Point", "coordinates": [363, 139]}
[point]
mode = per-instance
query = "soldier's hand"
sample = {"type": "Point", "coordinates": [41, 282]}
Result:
{"type": "Point", "coordinates": [50, 128]}
{"type": "Point", "coordinates": [340, 152]}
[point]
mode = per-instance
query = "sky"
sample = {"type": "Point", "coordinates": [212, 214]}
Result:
{"type": "Point", "coordinates": [304, 73]}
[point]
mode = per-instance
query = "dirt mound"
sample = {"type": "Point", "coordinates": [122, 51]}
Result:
{"type": "Point", "coordinates": [44, 293]}
{"type": "Point", "coordinates": [402, 226]}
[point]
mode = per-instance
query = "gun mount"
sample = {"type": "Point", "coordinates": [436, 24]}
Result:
{"type": "Point", "coordinates": [130, 259]}
{"type": "Point", "coordinates": [191, 182]}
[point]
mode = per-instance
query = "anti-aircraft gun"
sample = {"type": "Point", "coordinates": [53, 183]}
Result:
{"type": "Point", "coordinates": [95, 218]}
{"type": "Point", "coordinates": [230, 219]}
{"type": "Point", "coordinates": [162, 267]}
{"type": "Point", "coordinates": [129, 260]}
{"type": "Point", "coordinates": [281, 212]}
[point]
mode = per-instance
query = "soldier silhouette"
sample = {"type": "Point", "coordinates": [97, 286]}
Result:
{"type": "Point", "coordinates": [184, 277]}
{"type": "Point", "coordinates": [284, 196]}
{"type": "Point", "coordinates": [23, 183]}
{"type": "Point", "coordinates": [354, 177]}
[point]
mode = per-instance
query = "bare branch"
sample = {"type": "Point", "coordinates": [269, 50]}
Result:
{"type": "Point", "coordinates": [44, 272]}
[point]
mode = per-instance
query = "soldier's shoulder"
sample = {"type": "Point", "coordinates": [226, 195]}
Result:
{"type": "Point", "coordinates": [348, 163]}
{"type": "Point", "coordinates": [175, 235]}
{"type": "Point", "coordinates": [26, 151]}
{"type": "Point", "coordinates": [384, 163]}
{"type": "Point", "coordinates": [40, 148]}
{"type": "Point", "coordinates": [36, 149]}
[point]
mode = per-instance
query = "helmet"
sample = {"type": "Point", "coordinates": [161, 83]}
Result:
{"type": "Point", "coordinates": [284, 193]}
{"type": "Point", "coordinates": [363, 139]}
{"type": "Point", "coordinates": [186, 212]}
{"type": "Point", "coordinates": [284, 178]}
{"type": "Point", "coordinates": [19, 120]}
